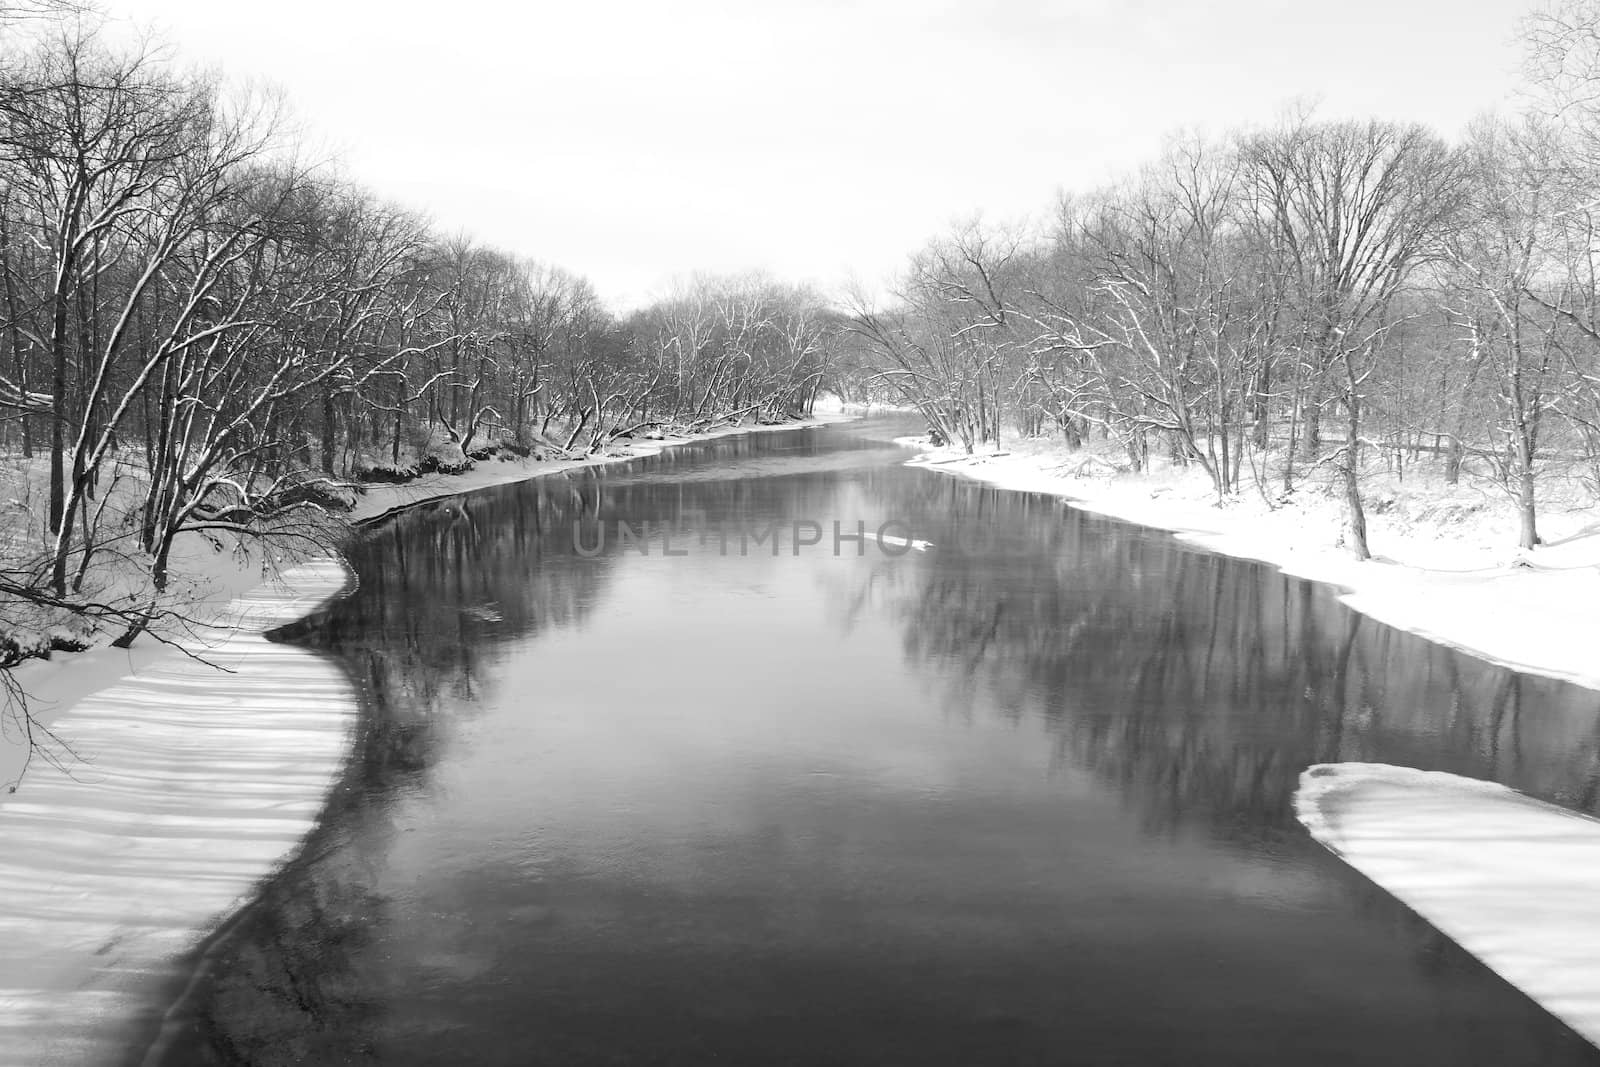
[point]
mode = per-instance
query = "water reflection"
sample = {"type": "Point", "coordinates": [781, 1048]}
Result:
{"type": "Point", "coordinates": [1022, 798]}
{"type": "Point", "coordinates": [444, 587]}
{"type": "Point", "coordinates": [1202, 686]}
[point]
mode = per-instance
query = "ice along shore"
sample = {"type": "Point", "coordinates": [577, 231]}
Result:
{"type": "Point", "coordinates": [1508, 877]}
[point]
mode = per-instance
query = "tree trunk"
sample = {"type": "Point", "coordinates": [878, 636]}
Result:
{"type": "Point", "coordinates": [1311, 441]}
{"type": "Point", "coordinates": [399, 423]}
{"type": "Point", "coordinates": [58, 419]}
{"type": "Point", "coordinates": [1527, 512]}
{"type": "Point", "coordinates": [1454, 452]}
{"type": "Point", "coordinates": [18, 359]}
{"type": "Point", "coordinates": [1260, 401]}
{"type": "Point", "coordinates": [327, 431]}
{"type": "Point", "coordinates": [1354, 513]}
{"type": "Point", "coordinates": [1288, 452]}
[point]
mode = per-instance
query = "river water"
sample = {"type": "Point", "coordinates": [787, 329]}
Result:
{"type": "Point", "coordinates": [1021, 795]}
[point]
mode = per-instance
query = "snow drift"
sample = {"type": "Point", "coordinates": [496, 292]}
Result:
{"type": "Point", "coordinates": [194, 785]}
{"type": "Point", "coordinates": [1513, 880]}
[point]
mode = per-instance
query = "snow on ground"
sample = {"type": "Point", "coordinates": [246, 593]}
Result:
{"type": "Point", "coordinates": [1446, 565]}
{"type": "Point", "coordinates": [831, 404]}
{"type": "Point", "coordinates": [183, 788]}
{"type": "Point", "coordinates": [1511, 879]}
{"type": "Point", "coordinates": [382, 500]}
{"type": "Point", "coordinates": [193, 785]}
{"type": "Point", "coordinates": [212, 579]}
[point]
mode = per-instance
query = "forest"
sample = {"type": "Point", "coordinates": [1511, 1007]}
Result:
{"type": "Point", "coordinates": [1293, 305]}
{"type": "Point", "coordinates": [205, 335]}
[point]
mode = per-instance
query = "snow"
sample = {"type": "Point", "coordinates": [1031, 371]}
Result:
{"type": "Point", "coordinates": [211, 579]}
{"type": "Point", "coordinates": [832, 404]}
{"type": "Point", "coordinates": [194, 785]}
{"type": "Point", "coordinates": [1445, 567]}
{"type": "Point", "coordinates": [1511, 879]}
{"type": "Point", "coordinates": [383, 500]}
{"type": "Point", "coordinates": [184, 788]}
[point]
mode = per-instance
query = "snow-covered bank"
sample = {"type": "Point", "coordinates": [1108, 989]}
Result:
{"type": "Point", "coordinates": [381, 500]}
{"type": "Point", "coordinates": [1445, 569]}
{"type": "Point", "coordinates": [212, 580]}
{"type": "Point", "coordinates": [1509, 878]}
{"type": "Point", "coordinates": [193, 786]}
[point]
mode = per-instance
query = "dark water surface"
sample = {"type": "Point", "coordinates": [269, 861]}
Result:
{"type": "Point", "coordinates": [1021, 798]}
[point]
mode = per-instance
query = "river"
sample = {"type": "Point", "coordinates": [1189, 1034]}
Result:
{"type": "Point", "coordinates": [646, 777]}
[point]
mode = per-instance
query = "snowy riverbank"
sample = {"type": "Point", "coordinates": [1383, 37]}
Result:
{"type": "Point", "coordinates": [381, 500]}
{"type": "Point", "coordinates": [185, 786]}
{"type": "Point", "coordinates": [192, 785]}
{"type": "Point", "coordinates": [1509, 878]}
{"type": "Point", "coordinates": [212, 580]}
{"type": "Point", "coordinates": [1446, 566]}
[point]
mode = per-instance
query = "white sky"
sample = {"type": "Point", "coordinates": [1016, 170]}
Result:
{"type": "Point", "coordinates": [634, 141]}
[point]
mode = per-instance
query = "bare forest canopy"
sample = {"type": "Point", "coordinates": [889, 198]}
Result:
{"type": "Point", "coordinates": [199, 335]}
{"type": "Point", "coordinates": [1294, 302]}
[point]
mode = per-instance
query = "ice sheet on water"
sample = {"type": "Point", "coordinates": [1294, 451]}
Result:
{"type": "Point", "coordinates": [196, 785]}
{"type": "Point", "coordinates": [1513, 880]}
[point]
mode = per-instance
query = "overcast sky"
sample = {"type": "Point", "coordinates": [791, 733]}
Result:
{"type": "Point", "coordinates": [634, 141]}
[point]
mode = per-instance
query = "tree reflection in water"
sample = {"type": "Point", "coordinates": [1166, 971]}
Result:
{"type": "Point", "coordinates": [1203, 685]}
{"type": "Point", "coordinates": [443, 587]}
{"type": "Point", "coordinates": [1194, 687]}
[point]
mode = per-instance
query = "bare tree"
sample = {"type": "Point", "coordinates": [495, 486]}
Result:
{"type": "Point", "coordinates": [1352, 208]}
{"type": "Point", "coordinates": [1505, 293]}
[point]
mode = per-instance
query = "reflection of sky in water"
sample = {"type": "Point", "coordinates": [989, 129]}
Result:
{"type": "Point", "coordinates": [1020, 806]}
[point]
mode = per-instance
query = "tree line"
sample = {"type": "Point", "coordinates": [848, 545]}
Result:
{"type": "Point", "coordinates": [1299, 302]}
{"type": "Point", "coordinates": [200, 334]}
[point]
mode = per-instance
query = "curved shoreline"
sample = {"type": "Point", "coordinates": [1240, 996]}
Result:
{"type": "Point", "coordinates": [1532, 618]}
{"type": "Point", "coordinates": [117, 971]}
{"type": "Point", "coordinates": [379, 502]}
{"type": "Point", "coordinates": [119, 873]}
{"type": "Point", "coordinates": [1509, 878]}
{"type": "Point", "coordinates": [198, 786]}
